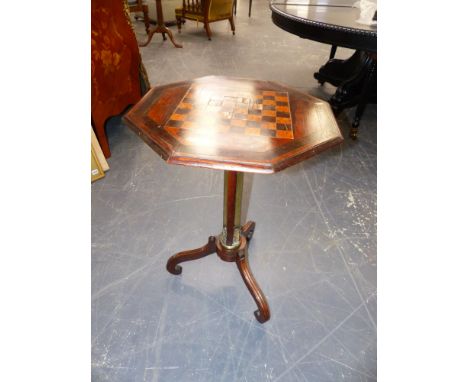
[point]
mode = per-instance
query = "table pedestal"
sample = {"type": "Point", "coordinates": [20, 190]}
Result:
{"type": "Point", "coordinates": [231, 245]}
{"type": "Point", "coordinates": [356, 82]}
{"type": "Point", "coordinates": [160, 28]}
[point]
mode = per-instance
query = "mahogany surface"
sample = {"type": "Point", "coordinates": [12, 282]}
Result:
{"type": "Point", "coordinates": [115, 65]}
{"type": "Point", "coordinates": [234, 124]}
{"type": "Point", "coordinates": [239, 255]}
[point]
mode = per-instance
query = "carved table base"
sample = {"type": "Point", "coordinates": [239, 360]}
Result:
{"type": "Point", "coordinates": [356, 81]}
{"type": "Point", "coordinates": [231, 245]}
{"type": "Point", "coordinates": [160, 28]}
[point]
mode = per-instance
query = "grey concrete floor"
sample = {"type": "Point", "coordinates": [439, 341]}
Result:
{"type": "Point", "coordinates": [313, 252]}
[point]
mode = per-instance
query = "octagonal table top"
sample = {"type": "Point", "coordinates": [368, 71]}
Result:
{"type": "Point", "coordinates": [233, 124]}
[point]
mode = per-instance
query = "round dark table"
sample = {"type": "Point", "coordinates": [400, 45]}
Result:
{"type": "Point", "coordinates": [334, 22]}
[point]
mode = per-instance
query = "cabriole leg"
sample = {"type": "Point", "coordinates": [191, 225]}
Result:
{"type": "Point", "coordinates": [194, 254]}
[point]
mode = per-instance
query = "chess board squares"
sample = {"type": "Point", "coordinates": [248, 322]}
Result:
{"type": "Point", "coordinates": [284, 134]}
{"type": "Point", "coordinates": [268, 118]}
{"type": "Point", "coordinates": [252, 131]}
{"type": "Point", "coordinates": [281, 97]}
{"type": "Point", "coordinates": [268, 113]}
{"type": "Point", "coordinates": [257, 131]}
{"type": "Point", "coordinates": [243, 100]}
{"type": "Point", "coordinates": [268, 132]}
{"type": "Point", "coordinates": [282, 114]}
{"type": "Point", "coordinates": [268, 125]}
{"type": "Point", "coordinates": [283, 121]}
{"type": "Point", "coordinates": [254, 119]}
{"type": "Point", "coordinates": [237, 129]}
{"type": "Point", "coordinates": [241, 109]}
{"type": "Point", "coordinates": [255, 112]}
{"type": "Point", "coordinates": [263, 114]}
{"type": "Point", "coordinates": [253, 123]}
{"type": "Point", "coordinates": [238, 122]}
{"type": "Point", "coordinates": [241, 116]}
{"type": "Point", "coordinates": [269, 102]}
{"type": "Point", "coordinates": [268, 95]}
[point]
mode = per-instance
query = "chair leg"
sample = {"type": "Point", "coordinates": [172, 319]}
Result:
{"type": "Point", "coordinates": [233, 27]}
{"type": "Point", "coordinates": [179, 23]}
{"type": "Point", "coordinates": [208, 30]}
{"type": "Point", "coordinates": [146, 18]}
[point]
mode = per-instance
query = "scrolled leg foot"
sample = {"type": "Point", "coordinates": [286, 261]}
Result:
{"type": "Point", "coordinates": [194, 254]}
{"type": "Point", "coordinates": [174, 269]}
{"type": "Point", "coordinates": [263, 313]}
{"type": "Point", "coordinates": [148, 40]}
{"type": "Point", "coordinates": [262, 317]}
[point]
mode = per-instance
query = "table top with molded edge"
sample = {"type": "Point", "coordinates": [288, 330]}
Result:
{"type": "Point", "coordinates": [234, 124]}
{"type": "Point", "coordinates": [327, 21]}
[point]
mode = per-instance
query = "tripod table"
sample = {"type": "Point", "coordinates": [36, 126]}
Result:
{"type": "Point", "coordinates": [234, 125]}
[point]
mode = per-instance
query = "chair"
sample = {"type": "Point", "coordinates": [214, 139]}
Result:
{"type": "Point", "coordinates": [139, 6]}
{"type": "Point", "coordinates": [205, 11]}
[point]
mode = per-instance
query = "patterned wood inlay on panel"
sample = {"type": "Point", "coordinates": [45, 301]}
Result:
{"type": "Point", "coordinates": [213, 110]}
{"type": "Point", "coordinates": [234, 124]}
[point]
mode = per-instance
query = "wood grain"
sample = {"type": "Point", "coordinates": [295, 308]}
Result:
{"type": "Point", "coordinates": [205, 143]}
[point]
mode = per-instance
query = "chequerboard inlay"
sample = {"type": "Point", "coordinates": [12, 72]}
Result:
{"type": "Point", "coordinates": [206, 110]}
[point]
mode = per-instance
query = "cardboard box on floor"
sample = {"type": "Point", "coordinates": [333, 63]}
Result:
{"type": "Point", "coordinates": [98, 162]}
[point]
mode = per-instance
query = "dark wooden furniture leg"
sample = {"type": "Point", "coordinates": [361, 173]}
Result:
{"type": "Point", "coordinates": [208, 30]}
{"type": "Point", "coordinates": [160, 28]}
{"type": "Point", "coordinates": [146, 18]}
{"type": "Point", "coordinates": [232, 244]}
{"type": "Point", "coordinates": [262, 314]}
{"type": "Point", "coordinates": [250, 7]}
{"type": "Point", "coordinates": [355, 81]}
{"type": "Point", "coordinates": [333, 51]}
{"type": "Point", "coordinates": [366, 89]}
{"type": "Point", "coordinates": [194, 254]}
{"type": "Point", "coordinates": [233, 27]}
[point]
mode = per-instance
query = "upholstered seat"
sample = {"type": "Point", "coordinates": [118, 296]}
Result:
{"type": "Point", "coordinates": [206, 12]}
